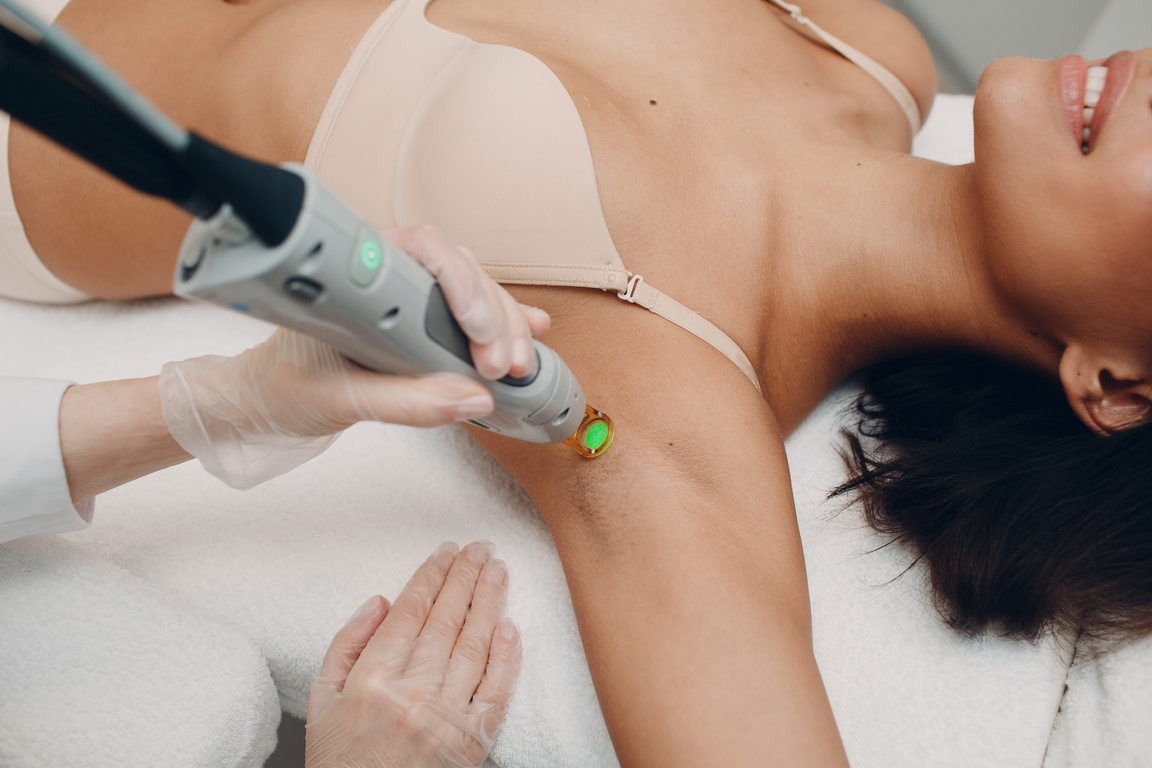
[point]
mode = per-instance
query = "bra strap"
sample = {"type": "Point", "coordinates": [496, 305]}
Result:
{"type": "Point", "coordinates": [882, 74]}
{"type": "Point", "coordinates": [630, 288]}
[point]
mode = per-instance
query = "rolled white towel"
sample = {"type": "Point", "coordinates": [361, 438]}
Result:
{"type": "Point", "coordinates": [98, 671]}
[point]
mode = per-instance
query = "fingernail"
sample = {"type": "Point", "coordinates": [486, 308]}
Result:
{"type": "Point", "coordinates": [501, 357]}
{"type": "Point", "coordinates": [474, 407]}
{"type": "Point", "coordinates": [366, 610]}
{"type": "Point", "coordinates": [448, 547]}
{"type": "Point", "coordinates": [507, 630]}
{"type": "Point", "coordinates": [496, 572]}
{"type": "Point", "coordinates": [522, 355]}
{"type": "Point", "coordinates": [480, 552]}
{"type": "Point", "coordinates": [543, 323]}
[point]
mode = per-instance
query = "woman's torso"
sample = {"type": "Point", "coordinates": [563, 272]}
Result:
{"type": "Point", "coordinates": [705, 121]}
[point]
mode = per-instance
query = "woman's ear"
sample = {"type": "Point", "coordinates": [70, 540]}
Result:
{"type": "Point", "coordinates": [1108, 395]}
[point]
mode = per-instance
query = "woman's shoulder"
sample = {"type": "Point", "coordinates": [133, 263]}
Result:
{"type": "Point", "coordinates": [886, 35]}
{"type": "Point", "coordinates": [252, 76]}
{"type": "Point", "coordinates": [232, 70]}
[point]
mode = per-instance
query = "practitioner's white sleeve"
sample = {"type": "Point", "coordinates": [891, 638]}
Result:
{"type": "Point", "coordinates": [34, 494]}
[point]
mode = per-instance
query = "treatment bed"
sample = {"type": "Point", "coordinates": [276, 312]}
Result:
{"type": "Point", "coordinates": [176, 629]}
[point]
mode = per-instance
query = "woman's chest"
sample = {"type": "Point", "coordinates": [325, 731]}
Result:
{"type": "Point", "coordinates": [698, 118]}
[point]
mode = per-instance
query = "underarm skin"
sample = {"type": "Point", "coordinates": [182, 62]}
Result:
{"type": "Point", "coordinates": [680, 547]}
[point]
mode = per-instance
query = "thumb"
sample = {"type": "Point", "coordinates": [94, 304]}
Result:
{"type": "Point", "coordinates": [418, 401]}
{"type": "Point", "coordinates": [349, 642]}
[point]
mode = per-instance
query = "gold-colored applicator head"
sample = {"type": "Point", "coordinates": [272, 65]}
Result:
{"type": "Point", "coordinates": [594, 436]}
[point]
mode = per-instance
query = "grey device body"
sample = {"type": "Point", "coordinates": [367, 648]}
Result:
{"type": "Point", "coordinates": [337, 279]}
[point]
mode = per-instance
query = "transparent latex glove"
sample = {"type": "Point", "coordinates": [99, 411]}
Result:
{"type": "Point", "coordinates": [257, 415]}
{"type": "Point", "coordinates": [424, 683]}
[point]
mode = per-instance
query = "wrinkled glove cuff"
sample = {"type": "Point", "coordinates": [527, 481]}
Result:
{"type": "Point", "coordinates": [212, 426]}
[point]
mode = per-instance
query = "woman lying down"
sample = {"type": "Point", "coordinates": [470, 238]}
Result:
{"type": "Point", "coordinates": [740, 168]}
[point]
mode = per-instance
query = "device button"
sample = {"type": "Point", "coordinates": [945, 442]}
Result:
{"type": "Point", "coordinates": [303, 288]}
{"type": "Point", "coordinates": [188, 266]}
{"type": "Point", "coordinates": [366, 259]}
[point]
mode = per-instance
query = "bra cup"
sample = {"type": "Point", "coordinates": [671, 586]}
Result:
{"type": "Point", "coordinates": [496, 155]}
{"type": "Point", "coordinates": [426, 126]}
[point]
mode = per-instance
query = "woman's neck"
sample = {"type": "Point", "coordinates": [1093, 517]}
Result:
{"type": "Point", "coordinates": [887, 261]}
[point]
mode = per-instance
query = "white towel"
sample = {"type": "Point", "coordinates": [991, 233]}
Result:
{"type": "Point", "coordinates": [1105, 720]}
{"type": "Point", "coordinates": [905, 688]}
{"type": "Point", "coordinates": [96, 669]}
{"type": "Point", "coordinates": [287, 562]}
{"type": "Point", "coordinates": [947, 133]}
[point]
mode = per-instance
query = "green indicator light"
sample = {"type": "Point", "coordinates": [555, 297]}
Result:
{"type": "Point", "coordinates": [370, 255]}
{"type": "Point", "coordinates": [596, 435]}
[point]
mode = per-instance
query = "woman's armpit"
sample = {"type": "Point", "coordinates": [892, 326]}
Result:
{"type": "Point", "coordinates": [679, 545]}
{"type": "Point", "coordinates": [695, 444]}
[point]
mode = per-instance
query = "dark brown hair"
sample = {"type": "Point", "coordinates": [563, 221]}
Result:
{"type": "Point", "coordinates": [1026, 520]}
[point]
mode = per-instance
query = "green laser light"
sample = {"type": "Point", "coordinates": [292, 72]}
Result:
{"type": "Point", "coordinates": [596, 435]}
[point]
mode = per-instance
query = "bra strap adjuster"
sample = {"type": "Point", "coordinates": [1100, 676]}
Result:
{"type": "Point", "coordinates": [629, 293]}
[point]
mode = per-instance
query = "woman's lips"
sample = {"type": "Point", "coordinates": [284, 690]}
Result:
{"type": "Point", "coordinates": [1073, 75]}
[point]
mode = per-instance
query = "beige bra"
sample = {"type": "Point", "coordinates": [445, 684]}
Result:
{"type": "Point", "coordinates": [427, 126]}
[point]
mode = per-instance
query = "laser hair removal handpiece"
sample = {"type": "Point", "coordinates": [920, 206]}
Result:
{"type": "Point", "coordinates": [335, 278]}
{"type": "Point", "coordinates": [274, 241]}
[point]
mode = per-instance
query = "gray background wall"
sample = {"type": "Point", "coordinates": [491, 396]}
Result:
{"type": "Point", "coordinates": [966, 35]}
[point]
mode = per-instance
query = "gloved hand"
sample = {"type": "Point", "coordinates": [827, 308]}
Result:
{"type": "Point", "coordinates": [257, 415]}
{"type": "Point", "coordinates": [425, 683]}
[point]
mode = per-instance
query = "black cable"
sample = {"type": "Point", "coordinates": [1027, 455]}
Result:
{"type": "Point", "coordinates": [267, 199]}
{"type": "Point", "coordinates": [52, 99]}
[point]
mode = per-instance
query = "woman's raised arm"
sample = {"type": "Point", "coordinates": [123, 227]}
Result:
{"type": "Point", "coordinates": [681, 549]}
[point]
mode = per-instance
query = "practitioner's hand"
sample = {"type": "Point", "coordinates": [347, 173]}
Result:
{"type": "Point", "coordinates": [257, 415]}
{"type": "Point", "coordinates": [500, 329]}
{"type": "Point", "coordinates": [424, 683]}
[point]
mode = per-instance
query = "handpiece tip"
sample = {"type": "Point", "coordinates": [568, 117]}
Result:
{"type": "Point", "coordinates": [594, 436]}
